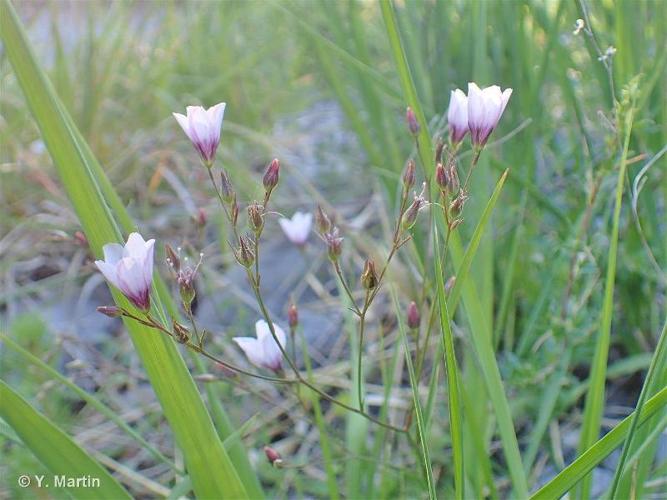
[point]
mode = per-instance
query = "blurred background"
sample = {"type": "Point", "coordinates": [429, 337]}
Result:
{"type": "Point", "coordinates": [314, 84]}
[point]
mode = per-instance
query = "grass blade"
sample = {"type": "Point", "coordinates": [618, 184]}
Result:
{"type": "Point", "coordinates": [414, 384]}
{"type": "Point", "coordinates": [655, 369]}
{"type": "Point", "coordinates": [596, 391]}
{"type": "Point", "coordinates": [574, 472]}
{"type": "Point", "coordinates": [471, 251]}
{"type": "Point", "coordinates": [55, 449]}
{"type": "Point", "coordinates": [455, 424]}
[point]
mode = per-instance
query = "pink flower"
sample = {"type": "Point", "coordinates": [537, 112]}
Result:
{"type": "Point", "coordinates": [263, 351]}
{"type": "Point", "coordinates": [297, 228]}
{"type": "Point", "coordinates": [202, 126]}
{"type": "Point", "coordinates": [457, 116]}
{"type": "Point", "coordinates": [130, 268]}
{"type": "Point", "coordinates": [485, 107]}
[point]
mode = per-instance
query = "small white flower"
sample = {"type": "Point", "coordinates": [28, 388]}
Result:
{"type": "Point", "coordinates": [263, 351]}
{"type": "Point", "coordinates": [457, 116]}
{"type": "Point", "coordinates": [485, 107]}
{"type": "Point", "coordinates": [130, 268]}
{"type": "Point", "coordinates": [297, 228]}
{"type": "Point", "coordinates": [202, 126]}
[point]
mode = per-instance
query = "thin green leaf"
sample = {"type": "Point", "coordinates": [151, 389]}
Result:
{"type": "Point", "coordinates": [455, 425]}
{"type": "Point", "coordinates": [55, 449]}
{"type": "Point", "coordinates": [654, 371]}
{"type": "Point", "coordinates": [574, 472]}
{"type": "Point", "coordinates": [596, 391]}
{"type": "Point", "coordinates": [414, 384]}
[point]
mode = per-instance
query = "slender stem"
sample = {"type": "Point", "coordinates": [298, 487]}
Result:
{"type": "Point", "coordinates": [473, 163]}
{"type": "Point", "coordinates": [346, 287]}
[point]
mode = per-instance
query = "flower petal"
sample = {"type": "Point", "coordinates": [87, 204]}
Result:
{"type": "Point", "coordinates": [252, 349]}
{"type": "Point", "coordinates": [113, 252]}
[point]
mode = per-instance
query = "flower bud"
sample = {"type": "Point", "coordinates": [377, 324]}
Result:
{"type": "Point", "coordinates": [322, 220]}
{"type": "Point", "coordinates": [111, 311]}
{"type": "Point", "coordinates": [226, 189]}
{"type": "Point", "coordinates": [272, 175]}
{"type": "Point", "coordinates": [173, 259]}
{"type": "Point", "coordinates": [410, 216]}
{"type": "Point", "coordinates": [334, 244]}
{"type": "Point", "coordinates": [453, 176]}
{"type": "Point", "coordinates": [234, 211]}
{"type": "Point", "coordinates": [273, 456]}
{"type": "Point", "coordinates": [181, 333]}
{"type": "Point", "coordinates": [256, 217]}
{"type": "Point", "coordinates": [439, 147]}
{"type": "Point", "coordinates": [369, 279]}
{"type": "Point", "coordinates": [409, 175]}
{"type": "Point", "coordinates": [455, 223]}
{"type": "Point", "coordinates": [201, 218]}
{"type": "Point", "coordinates": [186, 287]}
{"type": "Point", "coordinates": [293, 316]}
{"type": "Point", "coordinates": [244, 253]}
{"type": "Point", "coordinates": [81, 239]}
{"type": "Point", "coordinates": [456, 206]}
{"type": "Point", "coordinates": [413, 124]}
{"type": "Point", "coordinates": [442, 177]}
{"type": "Point", "coordinates": [413, 316]}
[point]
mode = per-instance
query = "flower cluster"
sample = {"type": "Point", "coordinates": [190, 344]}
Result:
{"type": "Point", "coordinates": [478, 113]}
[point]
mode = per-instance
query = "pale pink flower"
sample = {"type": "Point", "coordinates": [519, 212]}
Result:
{"type": "Point", "coordinates": [485, 107]}
{"type": "Point", "coordinates": [297, 228]}
{"type": "Point", "coordinates": [263, 351]}
{"type": "Point", "coordinates": [202, 126]}
{"type": "Point", "coordinates": [130, 268]}
{"type": "Point", "coordinates": [457, 116]}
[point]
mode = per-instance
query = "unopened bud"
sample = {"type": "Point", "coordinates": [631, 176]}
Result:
{"type": "Point", "coordinates": [450, 284]}
{"type": "Point", "coordinates": [322, 220]}
{"type": "Point", "coordinates": [453, 176]}
{"type": "Point", "coordinates": [334, 244]}
{"type": "Point", "coordinates": [293, 316]}
{"type": "Point", "coordinates": [410, 216]}
{"type": "Point", "coordinates": [413, 124]}
{"type": "Point", "coordinates": [455, 223]}
{"type": "Point", "coordinates": [244, 253]}
{"type": "Point", "coordinates": [234, 211]}
{"type": "Point", "coordinates": [226, 189]}
{"type": "Point", "coordinates": [81, 238]}
{"type": "Point", "coordinates": [272, 175]}
{"type": "Point", "coordinates": [201, 218]}
{"type": "Point", "coordinates": [173, 259]}
{"type": "Point", "coordinates": [181, 333]}
{"type": "Point", "coordinates": [456, 206]}
{"type": "Point", "coordinates": [409, 175]}
{"type": "Point", "coordinates": [413, 316]}
{"type": "Point", "coordinates": [273, 456]}
{"type": "Point", "coordinates": [256, 217]}
{"type": "Point", "coordinates": [439, 147]}
{"type": "Point", "coordinates": [442, 178]}
{"type": "Point", "coordinates": [369, 279]}
{"type": "Point", "coordinates": [186, 287]}
{"type": "Point", "coordinates": [111, 311]}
